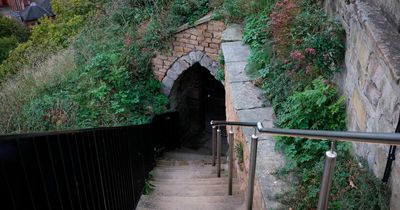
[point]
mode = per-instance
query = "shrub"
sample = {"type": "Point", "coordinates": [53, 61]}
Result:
{"type": "Point", "coordinates": [294, 45]}
{"type": "Point", "coordinates": [9, 27]}
{"type": "Point", "coordinates": [6, 45]}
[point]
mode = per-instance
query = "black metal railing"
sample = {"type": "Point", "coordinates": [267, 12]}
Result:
{"type": "Point", "coordinates": [330, 156]}
{"type": "Point", "coordinates": [102, 169]}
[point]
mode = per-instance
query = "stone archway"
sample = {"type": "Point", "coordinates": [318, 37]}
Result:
{"type": "Point", "coordinates": [183, 63]}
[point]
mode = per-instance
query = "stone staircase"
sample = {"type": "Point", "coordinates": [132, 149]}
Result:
{"type": "Point", "coordinates": [186, 180]}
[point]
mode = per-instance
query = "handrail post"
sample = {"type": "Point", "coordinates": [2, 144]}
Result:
{"type": "Point", "coordinates": [326, 183]}
{"type": "Point", "coordinates": [214, 144]}
{"type": "Point", "coordinates": [252, 172]}
{"type": "Point", "coordinates": [231, 147]}
{"type": "Point", "coordinates": [219, 151]}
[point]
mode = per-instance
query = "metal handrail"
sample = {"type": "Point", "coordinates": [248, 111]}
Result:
{"type": "Point", "coordinates": [330, 161]}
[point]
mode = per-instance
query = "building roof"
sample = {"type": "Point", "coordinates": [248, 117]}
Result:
{"type": "Point", "coordinates": [36, 10]}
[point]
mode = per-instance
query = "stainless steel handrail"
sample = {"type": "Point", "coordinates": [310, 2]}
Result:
{"type": "Point", "coordinates": [358, 137]}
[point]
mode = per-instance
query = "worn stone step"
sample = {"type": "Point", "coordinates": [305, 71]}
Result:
{"type": "Point", "coordinates": [187, 156]}
{"type": "Point", "coordinates": [188, 187]}
{"type": "Point", "coordinates": [238, 199]}
{"type": "Point", "coordinates": [191, 203]}
{"type": "Point", "coordinates": [165, 162]}
{"type": "Point", "coordinates": [188, 175]}
{"type": "Point", "coordinates": [208, 181]}
{"type": "Point", "coordinates": [191, 170]}
{"type": "Point", "coordinates": [193, 192]}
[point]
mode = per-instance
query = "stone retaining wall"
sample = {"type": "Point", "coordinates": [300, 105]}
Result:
{"type": "Point", "coordinates": [372, 77]}
{"type": "Point", "coordinates": [245, 102]}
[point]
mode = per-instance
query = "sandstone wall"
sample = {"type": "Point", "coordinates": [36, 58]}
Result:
{"type": "Point", "coordinates": [204, 36]}
{"type": "Point", "coordinates": [372, 76]}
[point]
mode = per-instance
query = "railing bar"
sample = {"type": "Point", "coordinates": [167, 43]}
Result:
{"type": "Point", "coordinates": [107, 173]}
{"type": "Point", "coordinates": [123, 166]}
{"type": "Point", "coordinates": [54, 173]}
{"type": "Point", "coordinates": [95, 164]}
{"type": "Point", "coordinates": [129, 174]}
{"type": "Point", "coordinates": [219, 151]}
{"type": "Point", "coordinates": [87, 169]}
{"type": "Point", "coordinates": [214, 144]}
{"type": "Point", "coordinates": [364, 137]}
{"type": "Point", "coordinates": [225, 123]}
{"type": "Point", "coordinates": [74, 173]}
{"type": "Point", "coordinates": [99, 169]}
{"type": "Point", "coordinates": [131, 164]}
{"type": "Point", "coordinates": [82, 176]}
{"type": "Point", "coordinates": [120, 167]}
{"type": "Point", "coordinates": [377, 138]}
{"type": "Point", "coordinates": [25, 173]}
{"type": "Point", "coordinates": [252, 171]}
{"type": "Point", "coordinates": [115, 169]}
{"type": "Point", "coordinates": [65, 171]}
{"type": "Point", "coordinates": [8, 186]}
{"type": "Point", "coordinates": [231, 147]}
{"type": "Point", "coordinates": [41, 174]}
{"type": "Point", "coordinates": [112, 170]}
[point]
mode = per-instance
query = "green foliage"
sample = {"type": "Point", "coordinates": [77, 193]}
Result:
{"type": "Point", "coordinates": [6, 45]}
{"type": "Point", "coordinates": [188, 11]}
{"type": "Point", "coordinates": [315, 108]}
{"type": "Point", "coordinates": [239, 153]}
{"type": "Point", "coordinates": [292, 48]}
{"type": "Point", "coordinates": [238, 10]}
{"type": "Point", "coordinates": [220, 75]}
{"type": "Point", "coordinates": [294, 45]}
{"type": "Point", "coordinates": [9, 27]}
{"type": "Point", "coordinates": [11, 33]}
{"type": "Point", "coordinates": [318, 108]}
{"type": "Point", "coordinates": [110, 82]}
{"type": "Point", "coordinates": [50, 35]}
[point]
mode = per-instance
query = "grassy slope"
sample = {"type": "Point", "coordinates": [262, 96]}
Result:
{"type": "Point", "coordinates": [95, 71]}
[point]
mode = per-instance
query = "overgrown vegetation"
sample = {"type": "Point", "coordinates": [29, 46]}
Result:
{"type": "Point", "coordinates": [296, 50]}
{"type": "Point", "coordinates": [106, 78]}
{"type": "Point", "coordinates": [11, 33]}
{"type": "Point", "coordinates": [51, 35]}
{"type": "Point", "coordinates": [239, 154]}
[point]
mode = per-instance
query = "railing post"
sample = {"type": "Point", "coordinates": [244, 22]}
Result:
{"type": "Point", "coordinates": [214, 143]}
{"type": "Point", "coordinates": [231, 147]}
{"type": "Point", "coordinates": [252, 172]}
{"type": "Point", "coordinates": [326, 182]}
{"type": "Point", "coordinates": [219, 151]}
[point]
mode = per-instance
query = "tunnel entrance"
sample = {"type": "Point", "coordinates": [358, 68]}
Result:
{"type": "Point", "coordinates": [199, 98]}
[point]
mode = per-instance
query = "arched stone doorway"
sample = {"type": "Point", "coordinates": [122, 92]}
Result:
{"type": "Point", "coordinates": [197, 96]}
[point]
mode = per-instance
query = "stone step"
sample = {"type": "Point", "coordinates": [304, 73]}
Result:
{"type": "Point", "coordinates": [165, 162]}
{"type": "Point", "coordinates": [218, 181]}
{"type": "Point", "coordinates": [193, 192]}
{"type": "Point", "coordinates": [192, 203]}
{"type": "Point", "coordinates": [238, 199]}
{"type": "Point", "coordinates": [188, 175]}
{"type": "Point", "coordinates": [199, 170]}
{"type": "Point", "coordinates": [188, 187]}
{"type": "Point", "coordinates": [187, 156]}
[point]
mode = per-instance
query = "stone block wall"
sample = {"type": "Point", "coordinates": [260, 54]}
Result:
{"type": "Point", "coordinates": [204, 35]}
{"type": "Point", "coordinates": [371, 79]}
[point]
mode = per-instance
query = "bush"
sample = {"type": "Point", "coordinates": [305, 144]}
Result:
{"type": "Point", "coordinates": [6, 45]}
{"type": "Point", "coordinates": [50, 36]}
{"type": "Point", "coordinates": [9, 27]}
{"type": "Point", "coordinates": [318, 108]}
{"type": "Point", "coordinates": [295, 51]}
